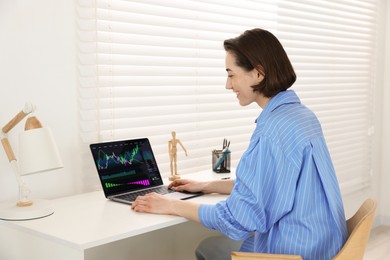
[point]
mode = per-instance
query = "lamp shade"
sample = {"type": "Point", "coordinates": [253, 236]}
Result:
{"type": "Point", "coordinates": [38, 151]}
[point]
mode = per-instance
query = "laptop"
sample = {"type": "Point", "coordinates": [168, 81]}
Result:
{"type": "Point", "coordinates": [128, 168]}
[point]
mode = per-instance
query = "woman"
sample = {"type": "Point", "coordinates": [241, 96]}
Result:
{"type": "Point", "coordinates": [286, 197]}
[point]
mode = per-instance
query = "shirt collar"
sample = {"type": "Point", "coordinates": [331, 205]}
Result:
{"type": "Point", "coordinates": [282, 98]}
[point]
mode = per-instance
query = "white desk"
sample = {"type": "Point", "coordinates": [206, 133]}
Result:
{"type": "Point", "coordinates": [88, 226]}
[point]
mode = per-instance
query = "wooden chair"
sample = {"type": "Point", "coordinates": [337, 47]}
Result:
{"type": "Point", "coordinates": [359, 227]}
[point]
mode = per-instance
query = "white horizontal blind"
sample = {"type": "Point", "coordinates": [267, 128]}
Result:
{"type": "Point", "coordinates": [332, 47]}
{"type": "Point", "coordinates": [150, 67]}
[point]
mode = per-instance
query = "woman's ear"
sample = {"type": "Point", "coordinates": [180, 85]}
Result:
{"type": "Point", "coordinates": [260, 71]}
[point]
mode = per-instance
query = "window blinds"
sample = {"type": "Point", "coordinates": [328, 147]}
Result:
{"type": "Point", "coordinates": [151, 67]}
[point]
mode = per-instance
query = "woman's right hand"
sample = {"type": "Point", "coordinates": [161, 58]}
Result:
{"type": "Point", "coordinates": [188, 185]}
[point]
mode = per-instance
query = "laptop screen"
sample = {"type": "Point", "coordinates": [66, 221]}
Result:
{"type": "Point", "coordinates": [126, 165]}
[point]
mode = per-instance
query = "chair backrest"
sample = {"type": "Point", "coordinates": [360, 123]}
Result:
{"type": "Point", "coordinates": [359, 227]}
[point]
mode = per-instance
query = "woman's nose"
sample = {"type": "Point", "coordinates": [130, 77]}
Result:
{"type": "Point", "coordinates": [228, 84]}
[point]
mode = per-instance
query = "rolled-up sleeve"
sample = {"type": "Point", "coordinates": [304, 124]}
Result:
{"type": "Point", "coordinates": [208, 215]}
{"type": "Point", "coordinates": [218, 217]}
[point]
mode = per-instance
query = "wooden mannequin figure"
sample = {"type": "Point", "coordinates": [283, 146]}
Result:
{"type": "Point", "coordinates": [172, 150]}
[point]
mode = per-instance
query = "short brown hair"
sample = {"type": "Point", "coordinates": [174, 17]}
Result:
{"type": "Point", "coordinates": [260, 49]}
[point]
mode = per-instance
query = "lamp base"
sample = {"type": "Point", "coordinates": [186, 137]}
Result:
{"type": "Point", "coordinates": [39, 209]}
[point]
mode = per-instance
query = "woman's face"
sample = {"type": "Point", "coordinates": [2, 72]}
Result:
{"type": "Point", "coordinates": [241, 82]}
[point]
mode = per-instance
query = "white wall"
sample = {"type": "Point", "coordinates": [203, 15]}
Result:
{"type": "Point", "coordinates": [38, 64]}
{"type": "Point", "coordinates": [385, 119]}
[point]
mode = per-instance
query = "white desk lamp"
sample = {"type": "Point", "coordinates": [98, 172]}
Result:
{"type": "Point", "coordinates": [37, 153]}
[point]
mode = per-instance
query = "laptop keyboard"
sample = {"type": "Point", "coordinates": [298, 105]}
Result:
{"type": "Point", "coordinates": [133, 195]}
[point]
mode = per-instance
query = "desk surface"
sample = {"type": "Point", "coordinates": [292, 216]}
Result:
{"type": "Point", "coordinates": [88, 220]}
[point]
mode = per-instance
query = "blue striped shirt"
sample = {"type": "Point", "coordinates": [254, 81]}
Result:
{"type": "Point", "coordinates": [286, 198]}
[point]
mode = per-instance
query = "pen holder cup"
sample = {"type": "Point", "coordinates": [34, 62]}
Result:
{"type": "Point", "coordinates": [221, 161]}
